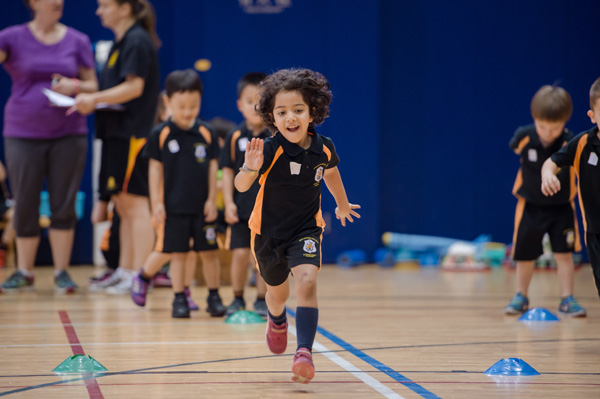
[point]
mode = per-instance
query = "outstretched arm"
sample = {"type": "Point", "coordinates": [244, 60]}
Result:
{"type": "Point", "coordinates": [345, 210]}
{"type": "Point", "coordinates": [550, 183]}
{"type": "Point", "coordinates": [253, 160]}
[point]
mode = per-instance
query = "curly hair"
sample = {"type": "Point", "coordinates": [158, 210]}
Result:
{"type": "Point", "coordinates": [313, 87]}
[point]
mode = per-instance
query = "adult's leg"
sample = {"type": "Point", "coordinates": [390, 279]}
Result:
{"type": "Point", "coordinates": [137, 234]}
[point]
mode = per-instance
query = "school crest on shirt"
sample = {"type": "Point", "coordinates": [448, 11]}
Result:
{"type": "Point", "coordinates": [200, 153]}
{"type": "Point", "coordinates": [243, 143]}
{"type": "Point", "coordinates": [319, 174]}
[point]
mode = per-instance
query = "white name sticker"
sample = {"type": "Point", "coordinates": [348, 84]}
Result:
{"type": "Point", "coordinates": [593, 159]}
{"type": "Point", "coordinates": [243, 143]}
{"type": "Point", "coordinates": [295, 168]}
{"type": "Point", "coordinates": [532, 155]}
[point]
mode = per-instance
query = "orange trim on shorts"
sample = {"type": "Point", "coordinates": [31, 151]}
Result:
{"type": "Point", "coordinates": [252, 238]}
{"type": "Point", "coordinates": [576, 224]}
{"type": "Point", "coordinates": [518, 217]}
{"type": "Point", "coordinates": [135, 146]}
{"type": "Point", "coordinates": [255, 222]}
{"type": "Point", "coordinates": [518, 182]}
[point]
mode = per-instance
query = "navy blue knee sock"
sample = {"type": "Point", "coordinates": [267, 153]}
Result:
{"type": "Point", "coordinates": [307, 320]}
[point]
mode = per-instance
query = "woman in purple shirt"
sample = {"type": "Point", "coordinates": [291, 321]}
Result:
{"type": "Point", "coordinates": [41, 141]}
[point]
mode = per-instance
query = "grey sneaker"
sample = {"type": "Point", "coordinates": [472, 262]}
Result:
{"type": "Point", "coordinates": [260, 307]}
{"type": "Point", "coordinates": [18, 282]}
{"type": "Point", "coordinates": [63, 283]}
{"type": "Point", "coordinates": [102, 284]}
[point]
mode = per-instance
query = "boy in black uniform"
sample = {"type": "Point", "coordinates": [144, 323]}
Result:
{"type": "Point", "coordinates": [537, 214]}
{"type": "Point", "coordinates": [582, 153]}
{"type": "Point", "coordinates": [183, 179]}
{"type": "Point", "coordinates": [238, 205]}
{"type": "Point", "coordinates": [286, 222]}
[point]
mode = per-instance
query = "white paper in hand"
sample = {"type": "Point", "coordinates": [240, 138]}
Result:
{"type": "Point", "coordinates": [60, 100]}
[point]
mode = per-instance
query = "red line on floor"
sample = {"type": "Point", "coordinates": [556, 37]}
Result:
{"type": "Point", "coordinates": [91, 384]}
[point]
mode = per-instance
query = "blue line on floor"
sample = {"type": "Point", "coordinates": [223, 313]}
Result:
{"type": "Point", "coordinates": [407, 382]}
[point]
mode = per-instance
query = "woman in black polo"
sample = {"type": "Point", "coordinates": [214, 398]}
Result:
{"type": "Point", "coordinates": [129, 78]}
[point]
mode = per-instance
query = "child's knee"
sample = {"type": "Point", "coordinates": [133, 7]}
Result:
{"type": "Point", "coordinates": [306, 283]}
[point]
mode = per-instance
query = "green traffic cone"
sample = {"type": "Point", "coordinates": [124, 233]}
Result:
{"type": "Point", "coordinates": [244, 317]}
{"type": "Point", "coordinates": [79, 364]}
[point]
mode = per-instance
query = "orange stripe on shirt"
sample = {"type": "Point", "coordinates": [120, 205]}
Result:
{"type": "Point", "coordinates": [163, 136]}
{"type": "Point", "coordinates": [580, 145]}
{"type": "Point", "coordinates": [255, 222]}
{"type": "Point", "coordinates": [206, 134]}
{"type": "Point", "coordinates": [326, 151]}
{"type": "Point", "coordinates": [234, 137]}
{"type": "Point", "coordinates": [522, 145]}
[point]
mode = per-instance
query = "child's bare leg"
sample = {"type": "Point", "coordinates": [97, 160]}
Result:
{"type": "Point", "coordinates": [566, 270]}
{"type": "Point", "coordinates": [239, 269]}
{"type": "Point", "coordinates": [177, 269]}
{"type": "Point", "coordinates": [261, 286]}
{"type": "Point", "coordinates": [524, 275]}
{"type": "Point", "coordinates": [154, 262]}
{"type": "Point", "coordinates": [277, 296]}
{"type": "Point", "coordinates": [190, 267]}
{"type": "Point", "coordinates": [211, 268]}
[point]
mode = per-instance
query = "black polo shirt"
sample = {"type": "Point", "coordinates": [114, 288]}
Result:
{"type": "Point", "coordinates": [289, 199]}
{"type": "Point", "coordinates": [582, 153]}
{"type": "Point", "coordinates": [528, 184]}
{"type": "Point", "coordinates": [232, 157]}
{"type": "Point", "coordinates": [185, 155]}
{"type": "Point", "coordinates": [134, 55]}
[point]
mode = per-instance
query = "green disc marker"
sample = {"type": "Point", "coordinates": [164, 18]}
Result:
{"type": "Point", "coordinates": [79, 364]}
{"type": "Point", "coordinates": [244, 317]}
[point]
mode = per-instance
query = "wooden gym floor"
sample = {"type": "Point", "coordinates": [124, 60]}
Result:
{"type": "Point", "coordinates": [384, 333]}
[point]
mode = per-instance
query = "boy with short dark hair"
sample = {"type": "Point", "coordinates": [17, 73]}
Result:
{"type": "Point", "coordinates": [537, 214]}
{"type": "Point", "coordinates": [238, 205]}
{"type": "Point", "coordinates": [582, 153]}
{"type": "Point", "coordinates": [183, 167]}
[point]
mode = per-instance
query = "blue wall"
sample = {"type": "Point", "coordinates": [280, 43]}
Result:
{"type": "Point", "coordinates": [426, 94]}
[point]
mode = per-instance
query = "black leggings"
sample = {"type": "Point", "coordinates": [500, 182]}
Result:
{"type": "Point", "coordinates": [61, 162]}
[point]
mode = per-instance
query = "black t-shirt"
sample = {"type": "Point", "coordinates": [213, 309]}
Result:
{"type": "Point", "coordinates": [582, 153]}
{"type": "Point", "coordinates": [289, 199]}
{"type": "Point", "coordinates": [528, 184]}
{"type": "Point", "coordinates": [186, 156]}
{"type": "Point", "coordinates": [134, 55]}
{"type": "Point", "coordinates": [232, 157]}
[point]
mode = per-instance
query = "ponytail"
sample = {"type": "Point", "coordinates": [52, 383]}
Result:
{"type": "Point", "coordinates": [146, 16]}
{"type": "Point", "coordinates": [143, 12]}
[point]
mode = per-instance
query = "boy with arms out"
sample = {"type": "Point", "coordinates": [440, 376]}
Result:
{"type": "Point", "coordinates": [286, 222]}
{"type": "Point", "coordinates": [582, 153]}
{"type": "Point", "coordinates": [537, 214]}
{"type": "Point", "coordinates": [238, 205]}
{"type": "Point", "coordinates": [183, 178]}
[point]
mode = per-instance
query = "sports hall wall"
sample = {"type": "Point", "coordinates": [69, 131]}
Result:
{"type": "Point", "coordinates": [426, 94]}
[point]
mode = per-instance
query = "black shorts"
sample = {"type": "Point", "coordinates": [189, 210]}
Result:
{"type": "Point", "coordinates": [175, 234]}
{"type": "Point", "coordinates": [238, 236]}
{"type": "Point", "coordinates": [276, 258]}
{"type": "Point", "coordinates": [123, 168]}
{"type": "Point", "coordinates": [592, 242]}
{"type": "Point", "coordinates": [533, 221]}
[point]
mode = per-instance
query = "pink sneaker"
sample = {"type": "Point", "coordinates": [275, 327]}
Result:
{"type": "Point", "coordinates": [303, 369]}
{"type": "Point", "coordinates": [276, 336]}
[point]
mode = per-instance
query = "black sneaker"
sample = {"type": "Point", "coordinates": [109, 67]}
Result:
{"type": "Point", "coordinates": [181, 309]}
{"type": "Point", "coordinates": [237, 305]}
{"type": "Point", "coordinates": [260, 307]}
{"type": "Point", "coordinates": [215, 306]}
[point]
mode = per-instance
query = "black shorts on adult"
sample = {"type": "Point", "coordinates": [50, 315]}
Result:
{"type": "Point", "coordinates": [178, 229]}
{"type": "Point", "coordinates": [556, 220]}
{"type": "Point", "coordinates": [238, 235]}
{"type": "Point", "coordinates": [276, 258]}
{"type": "Point", "coordinates": [123, 168]}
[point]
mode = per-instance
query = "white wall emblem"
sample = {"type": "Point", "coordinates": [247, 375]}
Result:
{"type": "Point", "coordinates": [264, 6]}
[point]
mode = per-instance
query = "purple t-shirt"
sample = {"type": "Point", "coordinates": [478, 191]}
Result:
{"type": "Point", "coordinates": [30, 65]}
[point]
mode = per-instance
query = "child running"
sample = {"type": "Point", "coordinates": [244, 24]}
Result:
{"type": "Point", "coordinates": [286, 223]}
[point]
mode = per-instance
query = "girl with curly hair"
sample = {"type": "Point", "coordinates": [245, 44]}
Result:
{"type": "Point", "coordinates": [286, 223]}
